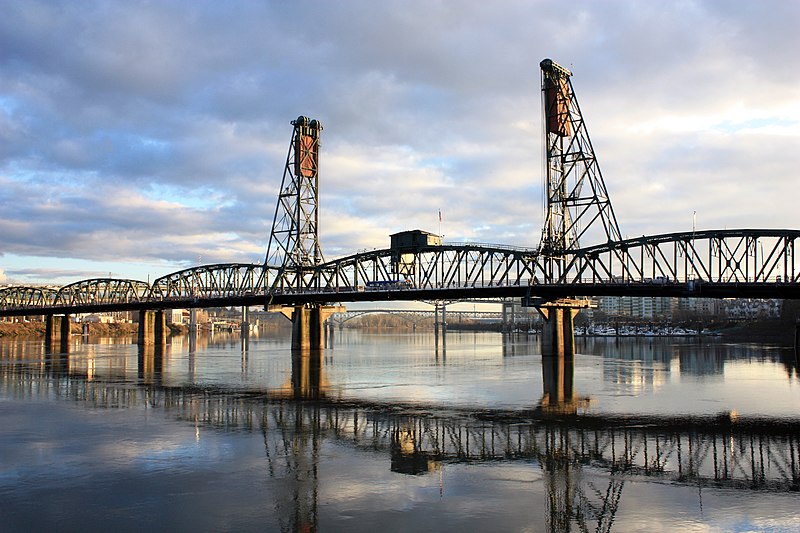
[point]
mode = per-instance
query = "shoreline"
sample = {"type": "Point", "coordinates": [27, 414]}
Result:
{"type": "Point", "coordinates": [37, 329]}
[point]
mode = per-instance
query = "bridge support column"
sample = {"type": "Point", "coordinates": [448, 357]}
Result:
{"type": "Point", "coordinates": [152, 326]}
{"type": "Point", "coordinates": [244, 328]}
{"type": "Point", "coordinates": [308, 324]}
{"type": "Point", "coordinates": [329, 333]}
{"type": "Point", "coordinates": [193, 319]}
{"type": "Point", "coordinates": [509, 319]}
{"type": "Point", "coordinates": [558, 330]}
{"type": "Point", "coordinates": [56, 329]}
{"type": "Point", "coordinates": [307, 328]}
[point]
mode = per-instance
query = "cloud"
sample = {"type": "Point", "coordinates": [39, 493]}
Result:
{"type": "Point", "coordinates": [148, 132]}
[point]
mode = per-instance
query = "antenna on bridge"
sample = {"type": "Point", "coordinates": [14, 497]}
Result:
{"type": "Point", "coordinates": [294, 241]}
{"type": "Point", "coordinates": [576, 193]}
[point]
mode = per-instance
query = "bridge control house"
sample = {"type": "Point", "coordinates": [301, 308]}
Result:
{"type": "Point", "coordinates": [405, 244]}
{"type": "Point", "coordinates": [414, 239]}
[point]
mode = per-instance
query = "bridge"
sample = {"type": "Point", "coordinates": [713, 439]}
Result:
{"type": "Point", "coordinates": [415, 316]}
{"type": "Point", "coordinates": [297, 279]}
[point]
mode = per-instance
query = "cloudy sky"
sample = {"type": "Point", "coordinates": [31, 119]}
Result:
{"type": "Point", "coordinates": [138, 138]}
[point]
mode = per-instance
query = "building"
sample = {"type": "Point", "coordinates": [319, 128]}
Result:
{"type": "Point", "coordinates": [414, 239]}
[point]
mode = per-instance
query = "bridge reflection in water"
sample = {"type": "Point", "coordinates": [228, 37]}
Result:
{"type": "Point", "coordinates": [584, 461]}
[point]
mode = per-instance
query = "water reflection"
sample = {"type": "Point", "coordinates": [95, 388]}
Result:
{"type": "Point", "coordinates": [150, 364]}
{"type": "Point", "coordinates": [585, 464]}
{"type": "Point", "coordinates": [307, 375]}
{"type": "Point", "coordinates": [558, 378]}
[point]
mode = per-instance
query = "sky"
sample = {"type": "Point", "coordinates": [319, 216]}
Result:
{"type": "Point", "coordinates": [138, 138]}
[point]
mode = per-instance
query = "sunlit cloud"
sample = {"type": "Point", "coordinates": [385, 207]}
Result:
{"type": "Point", "coordinates": [145, 133]}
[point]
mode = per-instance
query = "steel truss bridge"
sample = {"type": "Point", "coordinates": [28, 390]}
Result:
{"type": "Point", "coordinates": [709, 264]}
{"type": "Point", "coordinates": [751, 263]}
{"type": "Point", "coordinates": [414, 316]}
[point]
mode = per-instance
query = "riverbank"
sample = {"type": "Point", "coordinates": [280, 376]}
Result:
{"type": "Point", "coordinates": [36, 329]}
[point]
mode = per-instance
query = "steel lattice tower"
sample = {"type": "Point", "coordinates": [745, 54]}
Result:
{"type": "Point", "coordinates": [576, 195]}
{"type": "Point", "coordinates": [294, 241]}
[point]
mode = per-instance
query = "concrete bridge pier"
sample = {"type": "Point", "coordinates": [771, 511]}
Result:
{"type": "Point", "coordinates": [193, 320]}
{"type": "Point", "coordinates": [308, 324]}
{"type": "Point", "coordinates": [152, 328]}
{"type": "Point", "coordinates": [509, 319]}
{"type": "Point", "coordinates": [329, 333]}
{"type": "Point", "coordinates": [437, 323]}
{"type": "Point", "coordinates": [558, 329]}
{"type": "Point", "coordinates": [244, 328]}
{"type": "Point", "coordinates": [56, 329]}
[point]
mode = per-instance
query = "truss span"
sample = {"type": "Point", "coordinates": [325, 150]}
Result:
{"type": "Point", "coordinates": [24, 297]}
{"type": "Point", "coordinates": [226, 280]}
{"type": "Point", "coordinates": [102, 291]}
{"type": "Point", "coordinates": [432, 267]}
{"type": "Point", "coordinates": [717, 264]}
{"type": "Point", "coordinates": [743, 256]}
{"type": "Point", "coordinates": [707, 258]}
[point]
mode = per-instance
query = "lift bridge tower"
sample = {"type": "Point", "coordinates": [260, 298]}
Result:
{"type": "Point", "coordinates": [294, 241]}
{"type": "Point", "coordinates": [576, 200]}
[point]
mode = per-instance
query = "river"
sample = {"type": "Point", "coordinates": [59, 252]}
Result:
{"type": "Point", "coordinates": [399, 432]}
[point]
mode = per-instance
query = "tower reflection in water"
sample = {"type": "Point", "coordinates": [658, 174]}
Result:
{"type": "Point", "coordinates": [584, 462]}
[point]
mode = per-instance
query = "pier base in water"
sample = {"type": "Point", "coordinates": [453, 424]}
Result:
{"type": "Point", "coordinates": [558, 330]}
{"type": "Point", "coordinates": [308, 324]}
{"type": "Point", "coordinates": [152, 328]}
{"type": "Point", "coordinates": [56, 331]}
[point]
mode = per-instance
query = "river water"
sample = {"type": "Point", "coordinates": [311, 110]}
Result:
{"type": "Point", "coordinates": [399, 432]}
